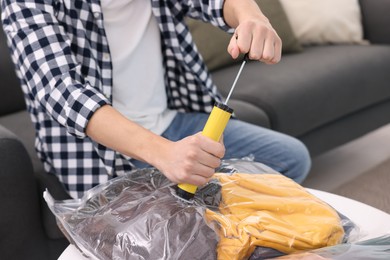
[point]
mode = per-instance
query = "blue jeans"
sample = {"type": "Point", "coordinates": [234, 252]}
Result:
{"type": "Point", "coordinates": [281, 152]}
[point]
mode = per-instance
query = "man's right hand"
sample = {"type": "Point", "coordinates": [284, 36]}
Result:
{"type": "Point", "coordinates": [191, 160]}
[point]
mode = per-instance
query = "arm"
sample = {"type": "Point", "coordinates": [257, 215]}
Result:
{"type": "Point", "coordinates": [47, 66]}
{"type": "Point", "coordinates": [255, 35]}
{"type": "Point", "coordinates": [253, 32]}
{"type": "Point", "coordinates": [191, 160]}
{"type": "Point", "coordinates": [42, 51]}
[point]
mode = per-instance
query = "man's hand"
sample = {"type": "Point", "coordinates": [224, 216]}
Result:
{"type": "Point", "coordinates": [253, 34]}
{"type": "Point", "coordinates": [191, 160]}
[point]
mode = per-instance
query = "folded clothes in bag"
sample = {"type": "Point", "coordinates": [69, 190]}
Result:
{"type": "Point", "coordinates": [138, 216]}
{"type": "Point", "coordinates": [272, 211]}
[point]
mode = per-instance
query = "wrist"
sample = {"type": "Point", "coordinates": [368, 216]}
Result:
{"type": "Point", "coordinates": [237, 11]}
{"type": "Point", "coordinates": [154, 149]}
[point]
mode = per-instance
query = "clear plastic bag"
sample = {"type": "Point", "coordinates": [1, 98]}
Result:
{"type": "Point", "coordinates": [236, 215]}
{"type": "Point", "coordinates": [376, 248]}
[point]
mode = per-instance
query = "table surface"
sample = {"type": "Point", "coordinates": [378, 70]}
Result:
{"type": "Point", "coordinates": [372, 222]}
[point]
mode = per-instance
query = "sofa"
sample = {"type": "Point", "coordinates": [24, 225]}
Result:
{"type": "Point", "coordinates": [325, 95]}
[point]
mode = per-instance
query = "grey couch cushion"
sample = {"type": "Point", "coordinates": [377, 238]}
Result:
{"type": "Point", "coordinates": [20, 124]}
{"type": "Point", "coordinates": [347, 128]}
{"type": "Point", "coordinates": [22, 236]}
{"type": "Point", "coordinates": [249, 113]}
{"type": "Point", "coordinates": [376, 20]}
{"type": "Point", "coordinates": [298, 94]}
{"type": "Point", "coordinates": [9, 83]}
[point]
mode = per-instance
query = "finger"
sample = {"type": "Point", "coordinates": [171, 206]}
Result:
{"type": "Point", "coordinates": [204, 171]}
{"type": "Point", "coordinates": [221, 140]}
{"type": "Point", "coordinates": [243, 39]}
{"type": "Point", "coordinates": [199, 176]}
{"type": "Point", "coordinates": [192, 172]}
{"type": "Point", "coordinates": [197, 180]}
{"type": "Point", "coordinates": [278, 51]}
{"type": "Point", "coordinates": [233, 49]}
{"type": "Point", "coordinates": [257, 47]}
{"type": "Point", "coordinates": [209, 160]}
{"type": "Point", "coordinates": [268, 53]}
{"type": "Point", "coordinates": [212, 147]}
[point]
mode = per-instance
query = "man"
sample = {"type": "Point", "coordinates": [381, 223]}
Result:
{"type": "Point", "coordinates": [117, 84]}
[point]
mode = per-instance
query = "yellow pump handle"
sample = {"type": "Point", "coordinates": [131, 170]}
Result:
{"type": "Point", "coordinates": [215, 125]}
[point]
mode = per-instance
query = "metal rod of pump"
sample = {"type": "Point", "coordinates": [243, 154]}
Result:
{"type": "Point", "coordinates": [236, 79]}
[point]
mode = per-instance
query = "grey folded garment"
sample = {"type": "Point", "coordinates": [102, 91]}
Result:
{"type": "Point", "coordinates": [138, 217]}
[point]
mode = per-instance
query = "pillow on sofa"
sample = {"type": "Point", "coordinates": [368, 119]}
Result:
{"type": "Point", "coordinates": [212, 42]}
{"type": "Point", "coordinates": [325, 21]}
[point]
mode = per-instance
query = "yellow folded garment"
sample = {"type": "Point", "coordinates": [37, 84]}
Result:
{"type": "Point", "coordinates": [273, 211]}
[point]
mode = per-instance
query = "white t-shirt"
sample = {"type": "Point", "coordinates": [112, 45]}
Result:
{"type": "Point", "coordinates": [138, 74]}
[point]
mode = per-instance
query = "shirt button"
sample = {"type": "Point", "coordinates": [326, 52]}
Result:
{"type": "Point", "coordinates": [96, 15]}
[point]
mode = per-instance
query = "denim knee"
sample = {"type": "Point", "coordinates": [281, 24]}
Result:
{"type": "Point", "coordinates": [300, 162]}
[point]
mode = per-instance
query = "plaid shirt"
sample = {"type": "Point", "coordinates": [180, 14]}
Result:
{"type": "Point", "coordinates": [63, 60]}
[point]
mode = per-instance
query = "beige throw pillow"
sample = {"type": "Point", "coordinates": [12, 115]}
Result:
{"type": "Point", "coordinates": [325, 21]}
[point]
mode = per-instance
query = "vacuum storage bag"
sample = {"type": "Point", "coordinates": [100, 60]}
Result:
{"type": "Point", "coordinates": [377, 248]}
{"type": "Point", "coordinates": [246, 211]}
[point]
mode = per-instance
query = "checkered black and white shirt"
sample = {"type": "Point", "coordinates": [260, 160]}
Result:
{"type": "Point", "coordinates": [63, 60]}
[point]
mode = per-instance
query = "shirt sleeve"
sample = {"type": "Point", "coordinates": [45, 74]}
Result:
{"type": "Point", "coordinates": [41, 51]}
{"type": "Point", "coordinates": [208, 11]}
